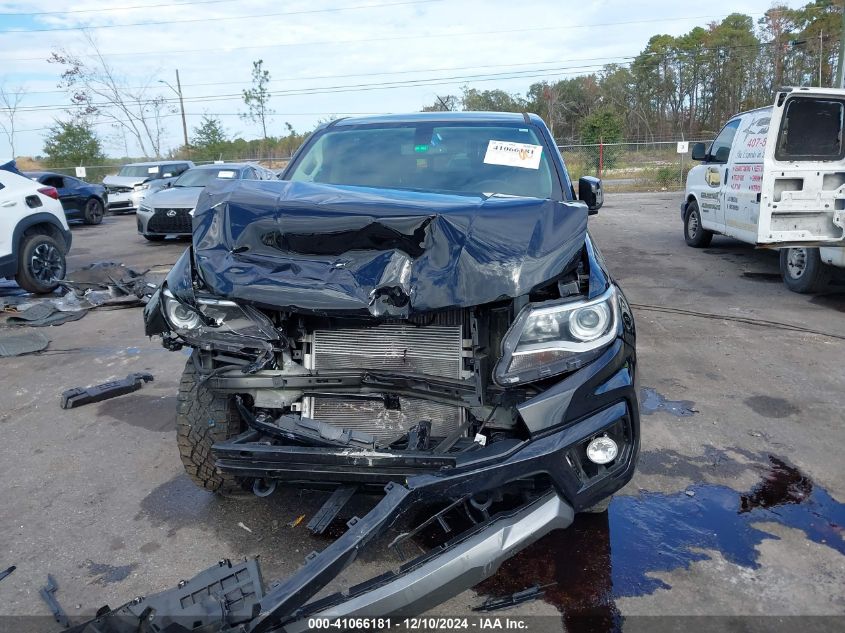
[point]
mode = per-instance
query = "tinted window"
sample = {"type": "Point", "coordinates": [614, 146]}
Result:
{"type": "Point", "coordinates": [201, 177]}
{"type": "Point", "coordinates": [444, 158]}
{"type": "Point", "coordinates": [721, 147]}
{"type": "Point", "coordinates": [140, 171]}
{"type": "Point", "coordinates": [53, 181]}
{"type": "Point", "coordinates": [811, 130]}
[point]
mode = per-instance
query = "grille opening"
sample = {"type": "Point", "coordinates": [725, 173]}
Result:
{"type": "Point", "coordinates": [435, 350]}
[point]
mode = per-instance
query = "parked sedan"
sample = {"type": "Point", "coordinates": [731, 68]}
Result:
{"type": "Point", "coordinates": [169, 212]}
{"type": "Point", "coordinates": [81, 200]}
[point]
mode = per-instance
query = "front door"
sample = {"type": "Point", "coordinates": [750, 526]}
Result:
{"type": "Point", "coordinates": [713, 197]}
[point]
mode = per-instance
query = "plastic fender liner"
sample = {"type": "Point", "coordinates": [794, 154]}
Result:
{"type": "Point", "coordinates": [456, 569]}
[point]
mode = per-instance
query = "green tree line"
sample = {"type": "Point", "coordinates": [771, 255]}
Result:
{"type": "Point", "coordinates": [685, 86]}
{"type": "Point", "coordinates": [677, 87]}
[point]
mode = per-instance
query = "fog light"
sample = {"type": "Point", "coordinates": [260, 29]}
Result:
{"type": "Point", "coordinates": [602, 450]}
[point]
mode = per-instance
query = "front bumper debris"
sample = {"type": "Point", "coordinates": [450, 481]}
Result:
{"type": "Point", "coordinates": [239, 599]}
{"type": "Point", "coordinates": [230, 597]}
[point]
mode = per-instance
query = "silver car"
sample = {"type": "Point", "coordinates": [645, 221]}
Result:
{"type": "Point", "coordinates": [136, 181]}
{"type": "Point", "coordinates": [169, 211]}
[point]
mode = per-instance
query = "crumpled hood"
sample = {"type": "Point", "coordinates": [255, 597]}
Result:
{"type": "Point", "coordinates": [362, 251]}
{"type": "Point", "coordinates": [175, 197]}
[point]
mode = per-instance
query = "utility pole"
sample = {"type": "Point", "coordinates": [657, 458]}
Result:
{"type": "Point", "coordinates": [821, 54]}
{"type": "Point", "coordinates": [182, 108]}
{"type": "Point", "coordinates": [178, 91]}
{"type": "Point", "coordinates": [840, 80]}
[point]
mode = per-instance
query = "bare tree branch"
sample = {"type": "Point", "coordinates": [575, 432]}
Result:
{"type": "Point", "coordinates": [10, 98]}
{"type": "Point", "coordinates": [95, 88]}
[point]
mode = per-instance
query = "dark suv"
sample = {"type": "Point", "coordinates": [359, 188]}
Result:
{"type": "Point", "coordinates": [418, 309]}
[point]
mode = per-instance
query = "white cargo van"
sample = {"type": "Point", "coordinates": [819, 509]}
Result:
{"type": "Point", "coordinates": [775, 177]}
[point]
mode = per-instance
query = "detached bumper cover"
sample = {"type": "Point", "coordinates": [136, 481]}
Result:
{"type": "Point", "coordinates": [420, 586]}
{"type": "Point", "coordinates": [228, 598]}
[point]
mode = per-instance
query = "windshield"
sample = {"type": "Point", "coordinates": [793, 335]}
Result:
{"type": "Point", "coordinates": [140, 171]}
{"type": "Point", "coordinates": [201, 177]}
{"type": "Point", "coordinates": [467, 159]}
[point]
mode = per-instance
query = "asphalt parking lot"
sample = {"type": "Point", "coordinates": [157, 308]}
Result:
{"type": "Point", "coordinates": [736, 509]}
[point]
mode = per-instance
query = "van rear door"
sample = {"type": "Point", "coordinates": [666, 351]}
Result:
{"type": "Point", "coordinates": [803, 192]}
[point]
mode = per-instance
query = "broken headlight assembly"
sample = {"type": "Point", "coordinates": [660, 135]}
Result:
{"type": "Point", "coordinates": [554, 337]}
{"type": "Point", "coordinates": [218, 323]}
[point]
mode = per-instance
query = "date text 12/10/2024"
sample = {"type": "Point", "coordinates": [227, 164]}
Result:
{"type": "Point", "coordinates": [418, 624]}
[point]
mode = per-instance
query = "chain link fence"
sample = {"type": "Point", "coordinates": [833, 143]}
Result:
{"type": "Point", "coordinates": [96, 173]}
{"type": "Point", "coordinates": [642, 166]}
{"type": "Point", "coordinates": [645, 166]}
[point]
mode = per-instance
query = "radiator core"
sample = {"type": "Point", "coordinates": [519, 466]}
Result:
{"type": "Point", "coordinates": [435, 350]}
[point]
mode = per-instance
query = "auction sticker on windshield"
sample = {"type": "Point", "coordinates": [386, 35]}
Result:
{"type": "Point", "coordinates": [225, 174]}
{"type": "Point", "coordinates": [512, 154]}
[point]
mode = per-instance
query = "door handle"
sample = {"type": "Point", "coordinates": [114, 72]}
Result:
{"type": "Point", "coordinates": [8, 203]}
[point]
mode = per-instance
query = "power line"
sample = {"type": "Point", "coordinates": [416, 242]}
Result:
{"type": "Point", "coordinates": [102, 9]}
{"type": "Point", "coordinates": [373, 74]}
{"type": "Point", "coordinates": [221, 18]}
{"type": "Point", "coordinates": [426, 81]}
{"type": "Point", "coordinates": [370, 39]}
{"type": "Point", "coordinates": [423, 81]}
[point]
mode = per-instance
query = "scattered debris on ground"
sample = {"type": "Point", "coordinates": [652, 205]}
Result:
{"type": "Point", "coordinates": [19, 343]}
{"type": "Point", "coordinates": [6, 572]}
{"type": "Point", "coordinates": [103, 285]}
{"type": "Point", "coordinates": [78, 396]}
{"type": "Point", "coordinates": [48, 594]}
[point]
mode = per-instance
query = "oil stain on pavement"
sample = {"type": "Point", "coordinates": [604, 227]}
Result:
{"type": "Point", "coordinates": [610, 555]}
{"type": "Point", "coordinates": [651, 401]}
{"type": "Point", "coordinates": [104, 574]}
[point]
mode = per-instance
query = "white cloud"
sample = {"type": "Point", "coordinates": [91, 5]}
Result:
{"type": "Point", "coordinates": [421, 37]}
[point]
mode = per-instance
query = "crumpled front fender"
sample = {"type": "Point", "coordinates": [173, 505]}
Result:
{"type": "Point", "coordinates": [180, 281]}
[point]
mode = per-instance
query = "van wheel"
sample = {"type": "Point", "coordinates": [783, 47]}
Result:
{"type": "Point", "coordinates": [803, 270]}
{"type": "Point", "coordinates": [41, 264]}
{"type": "Point", "coordinates": [694, 234]}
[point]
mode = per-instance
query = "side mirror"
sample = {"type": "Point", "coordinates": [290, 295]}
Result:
{"type": "Point", "coordinates": [699, 151]}
{"type": "Point", "coordinates": [590, 192]}
{"type": "Point", "coordinates": [722, 155]}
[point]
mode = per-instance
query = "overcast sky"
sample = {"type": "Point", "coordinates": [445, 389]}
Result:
{"type": "Point", "coordinates": [421, 47]}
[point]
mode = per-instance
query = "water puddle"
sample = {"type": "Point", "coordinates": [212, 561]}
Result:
{"type": "Point", "coordinates": [651, 401]}
{"type": "Point", "coordinates": [606, 556]}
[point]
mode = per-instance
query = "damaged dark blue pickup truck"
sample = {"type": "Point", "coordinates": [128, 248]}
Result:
{"type": "Point", "coordinates": [419, 310]}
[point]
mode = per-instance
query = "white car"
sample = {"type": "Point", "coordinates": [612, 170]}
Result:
{"type": "Point", "coordinates": [135, 181]}
{"type": "Point", "coordinates": [34, 235]}
{"type": "Point", "coordinates": [775, 177]}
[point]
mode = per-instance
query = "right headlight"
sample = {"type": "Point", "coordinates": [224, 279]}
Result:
{"type": "Point", "coordinates": [224, 324]}
{"type": "Point", "coordinates": [555, 337]}
{"type": "Point", "coordinates": [145, 209]}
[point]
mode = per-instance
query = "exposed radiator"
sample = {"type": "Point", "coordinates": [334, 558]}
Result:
{"type": "Point", "coordinates": [434, 349]}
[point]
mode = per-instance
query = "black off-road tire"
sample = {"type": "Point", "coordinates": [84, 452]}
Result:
{"type": "Point", "coordinates": [94, 211]}
{"type": "Point", "coordinates": [41, 263]}
{"type": "Point", "coordinates": [694, 234]}
{"type": "Point", "coordinates": [803, 270]}
{"type": "Point", "coordinates": [203, 418]}
{"type": "Point", "coordinates": [155, 238]}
